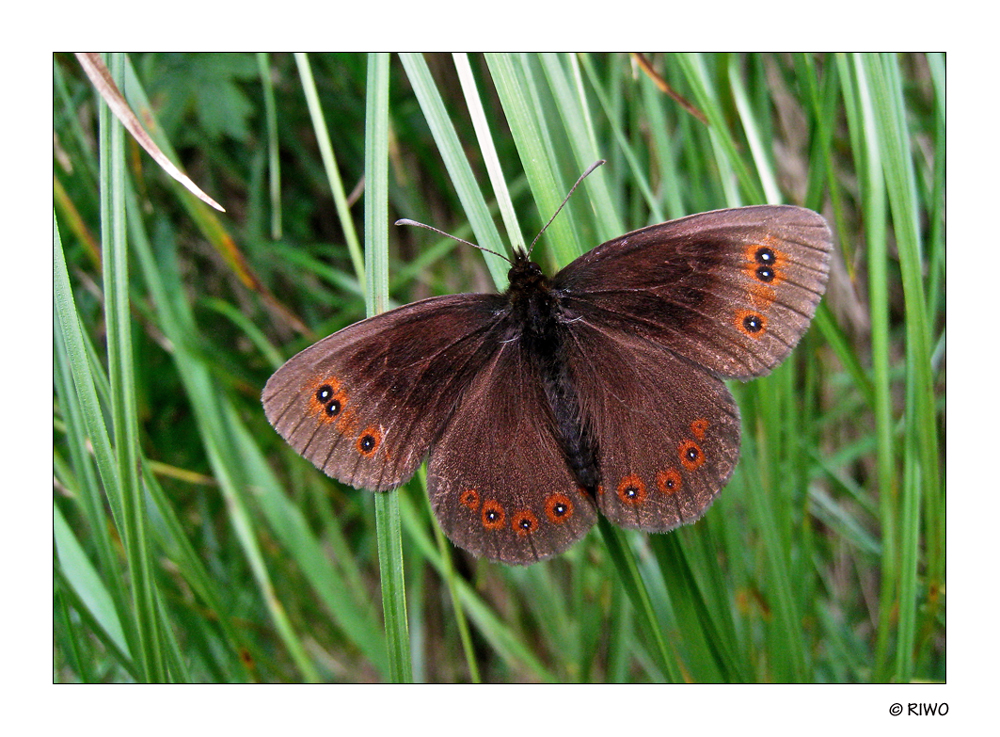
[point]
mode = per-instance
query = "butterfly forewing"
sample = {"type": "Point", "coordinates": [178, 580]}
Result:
{"type": "Point", "coordinates": [497, 478]}
{"type": "Point", "coordinates": [731, 290]}
{"type": "Point", "coordinates": [364, 404]}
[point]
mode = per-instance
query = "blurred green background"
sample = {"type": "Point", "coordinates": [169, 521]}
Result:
{"type": "Point", "coordinates": [191, 544]}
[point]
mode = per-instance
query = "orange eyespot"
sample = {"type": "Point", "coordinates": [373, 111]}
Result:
{"type": "Point", "coordinates": [328, 400]}
{"type": "Point", "coordinates": [690, 455]}
{"type": "Point", "coordinates": [632, 490]}
{"type": "Point", "coordinates": [558, 508]}
{"type": "Point", "coordinates": [764, 264]}
{"type": "Point", "coordinates": [469, 498]}
{"type": "Point", "coordinates": [669, 481]}
{"type": "Point", "coordinates": [751, 324]}
{"type": "Point", "coordinates": [492, 515]}
{"type": "Point", "coordinates": [369, 441]}
{"type": "Point", "coordinates": [524, 522]}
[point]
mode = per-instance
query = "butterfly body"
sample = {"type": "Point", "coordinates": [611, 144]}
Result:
{"type": "Point", "coordinates": [538, 320]}
{"type": "Point", "coordinates": [598, 390]}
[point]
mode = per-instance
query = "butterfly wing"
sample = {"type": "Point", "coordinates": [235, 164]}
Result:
{"type": "Point", "coordinates": [731, 290]}
{"type": "Point", "coordinates": [365, 404]}
{"type": "Point", "coordinates": [666, 432]}
{"type": "Point", "coordinates": [654, 319]}
{"type": "Point", "coordinates": [497, 478]}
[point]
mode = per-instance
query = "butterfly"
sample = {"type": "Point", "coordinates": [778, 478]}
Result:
{"type": "Point", "coordinates": [596, 391]}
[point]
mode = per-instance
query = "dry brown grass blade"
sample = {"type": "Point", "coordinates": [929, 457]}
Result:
{"type": "Point", "coordinates": [100, 77]}
{"type": "Point", "coordinates": [665, 87]}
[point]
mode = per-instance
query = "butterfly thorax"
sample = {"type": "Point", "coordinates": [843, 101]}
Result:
{"type": "Point", "coordinates": [531, 299]}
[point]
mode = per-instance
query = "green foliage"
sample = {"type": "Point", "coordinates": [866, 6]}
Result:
{"type": "Point", "coordinates": [204, 98]}
{"type": "Point", "coordinates": [191, 544]}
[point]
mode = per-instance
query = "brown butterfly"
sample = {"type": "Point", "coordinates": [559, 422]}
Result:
{"type": "Point", "coordinates": [597, 390]}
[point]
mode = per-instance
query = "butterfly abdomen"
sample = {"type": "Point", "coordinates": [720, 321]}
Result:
{"type": "Point", "coordinates": [577, 446]}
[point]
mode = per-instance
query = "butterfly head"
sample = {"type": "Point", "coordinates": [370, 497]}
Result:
{"type": "Point", "coordinates": [525, 273]}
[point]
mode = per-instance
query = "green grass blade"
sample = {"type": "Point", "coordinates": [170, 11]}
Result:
{"type": "Point", "coordinates": [921, 478]}
{"type": "Point", "coordinates": [628, 573]}
{"type": "Point", "coordinates": [83, 578]}
{"type": "Point", "coordinates": [234, 461]}
{"type": "Point", "coordinates": [723, 144]}
{"type": "Point", "coordinates": [273, 149]}
{"type": "Point", "coordinates": [450, 577]}
{"type": "Point", "coordinates": [390, 545]}
{"type": "Point", "coordinates": [636, 167]}
{"type": "Point", "coordinates": [573, 107]}
{"type": "Point", "coordinates": [498, 633]}
{"type": "Point", "coordinates": [748, 118]}
{"type": "Point", "coordinates": [330, 165]}
{"type": "Point", "coordinates": [123, 410]}
{"type": "Point", "coordinates": [490, 156]}
{"type": "Point", "coordinates": [537, 156]}
{"type": "Point", "coordinates": [457, 164]}
{"type": "Point", "coordinates": [866, 134]}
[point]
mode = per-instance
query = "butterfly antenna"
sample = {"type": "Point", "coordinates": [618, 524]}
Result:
{"type": "Point", "coordinates": [407, 221]}
{"type": "Point", "coordinates": [572, 189]}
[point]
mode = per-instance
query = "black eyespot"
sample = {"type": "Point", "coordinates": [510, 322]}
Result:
{"type": "Point", "coordinates": [324, 393]}
{"type": "Point", "coordinates": [632, 489]}
{"type": "Point", "coordinates": [691, 457]}
{"type": "Point", "coordinates": [753, 323]}
{"type": "Point", "coordinates": [333, 408]}
{"type": "Point", "coordinates": [367, 443]}
{"type": "Point", "coordinates": [524, 522]}
{"type": "Point", "coordinates": [669, 480]}
{"type": "Point", "coordinates": [558, 508]}
{"type": "Point", "coordinates": [492, 515]}
{"type": "Point", "coordinates": [765, 274]}
{"type": "Point", "coordinates": [764, 256]}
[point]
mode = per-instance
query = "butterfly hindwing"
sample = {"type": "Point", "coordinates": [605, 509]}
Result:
{"type": "Point", "coordinates": [731, 290]}
{"type": "Point", "coordinates": [666, 432]}
{"type": "Point", "coordinates": [497, 478]}
{"type": "Point", "coordinates": [364, 404]}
